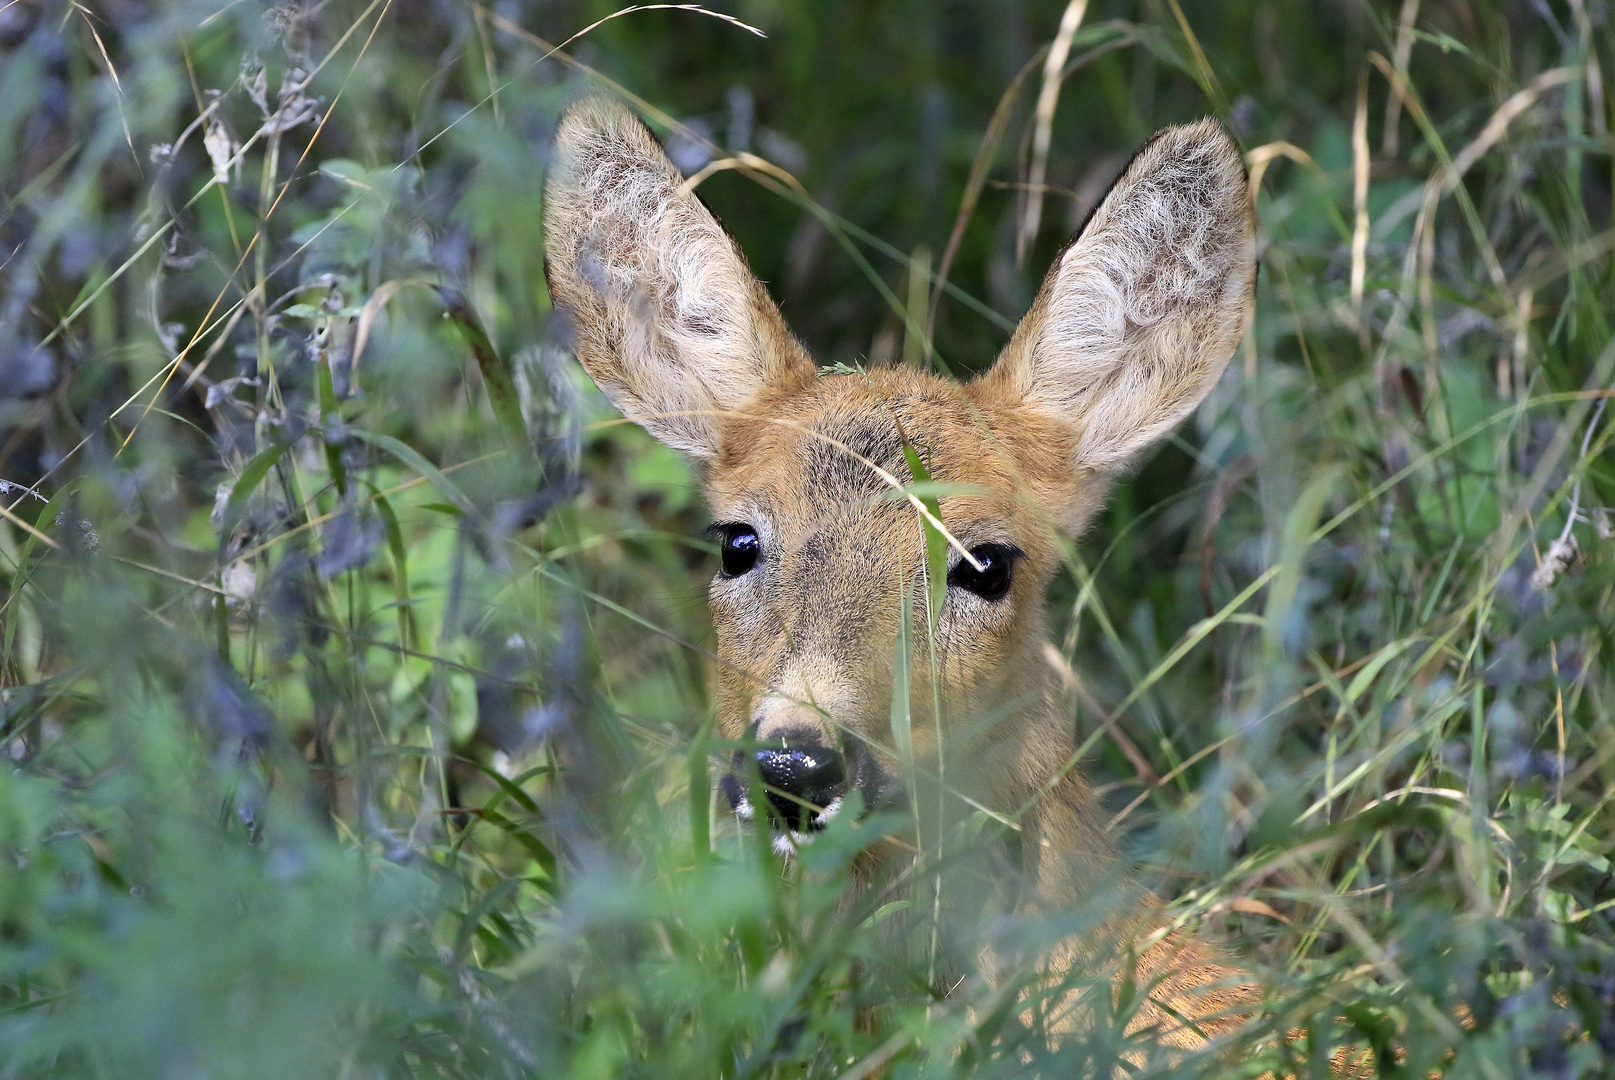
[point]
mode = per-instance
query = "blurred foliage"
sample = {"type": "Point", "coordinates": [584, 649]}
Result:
{"type": "Point", "coordinates": [352, 658]}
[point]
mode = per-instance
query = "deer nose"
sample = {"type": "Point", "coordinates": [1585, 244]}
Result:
{"type": "Point", "coordinates": [800, 778]}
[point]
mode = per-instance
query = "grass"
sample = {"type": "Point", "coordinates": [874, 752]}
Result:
{"type": "Point", "coordinates": [355, 699]}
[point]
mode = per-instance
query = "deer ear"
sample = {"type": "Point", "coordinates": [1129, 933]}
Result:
{"type": "Point", "coordinates": [663, 311]}
{"type": "Point", "coordinates": [1139, 315]}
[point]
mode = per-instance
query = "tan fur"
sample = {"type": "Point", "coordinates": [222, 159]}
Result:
{"type": "Point", "coordinates": [1132, 327]}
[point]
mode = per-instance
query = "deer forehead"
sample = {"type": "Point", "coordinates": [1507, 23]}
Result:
{"type": "Point", "coordinates": [824, 458]}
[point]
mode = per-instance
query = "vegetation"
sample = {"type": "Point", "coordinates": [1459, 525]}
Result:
{"type": "Point", "coordinates": [352, 674]}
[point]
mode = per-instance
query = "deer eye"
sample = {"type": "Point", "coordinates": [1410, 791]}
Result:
{"type": "Point", "coordinates": [739, 550]}
{"type": "Point", "coordinates": [992, 581]}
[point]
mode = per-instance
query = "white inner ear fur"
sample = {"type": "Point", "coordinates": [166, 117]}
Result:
{"type": "Point", "coordinates": [1139, 316]}
{"type": "Point", "coordinates": [664, 312]}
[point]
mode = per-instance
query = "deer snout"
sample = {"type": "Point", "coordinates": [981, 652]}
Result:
{"type": "Point", "coordinates": [801, 781]}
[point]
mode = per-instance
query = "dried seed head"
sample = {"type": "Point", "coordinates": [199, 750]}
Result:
{"type": "Point", "coordinates": [1561, 553]}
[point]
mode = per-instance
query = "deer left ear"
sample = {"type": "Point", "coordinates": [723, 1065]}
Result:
{"type": "Point", "coordinates": [1139, 315]}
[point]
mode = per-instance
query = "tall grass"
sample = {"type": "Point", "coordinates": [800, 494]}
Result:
{"type": "Point", "coordinates": [353, 661]}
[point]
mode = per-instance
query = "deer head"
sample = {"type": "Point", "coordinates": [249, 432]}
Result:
{"type": "Point", "coordinates": [1132, 326]}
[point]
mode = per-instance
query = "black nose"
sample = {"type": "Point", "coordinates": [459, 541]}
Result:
{"type": "Point", "coordinates": [800, 774]}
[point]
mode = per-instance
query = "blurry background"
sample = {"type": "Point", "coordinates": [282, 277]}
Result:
{"type": "Point", "coordinates": [353, 662]}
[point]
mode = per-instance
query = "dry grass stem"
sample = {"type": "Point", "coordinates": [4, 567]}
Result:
{"type": "Point", "coordinates": [1043, 126]}
{"type": "Point", "coordinates": [1359, 199]}
{"type": "Point", "coordinates": [1402, 53]}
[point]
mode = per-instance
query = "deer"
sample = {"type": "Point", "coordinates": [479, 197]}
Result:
{"type": "Point", "coordinates": [805, 472]}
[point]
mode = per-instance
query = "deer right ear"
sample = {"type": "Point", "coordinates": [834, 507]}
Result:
{"type": "Point", "coordinates": [664, 313]}
{"type": "Point", "coordinates": [1139, 315]}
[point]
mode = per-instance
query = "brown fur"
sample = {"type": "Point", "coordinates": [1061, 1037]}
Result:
{"type": "Point", "coordinates": [1132, 327]}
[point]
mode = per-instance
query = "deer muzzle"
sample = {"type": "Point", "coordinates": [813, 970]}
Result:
{"type": "Point", "coordinates": [801, 782]}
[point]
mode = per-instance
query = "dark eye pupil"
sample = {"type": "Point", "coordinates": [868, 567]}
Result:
{"type": "Point", "coordinates": [740, 549]}
{"type": "Point", "coordinates": [991, 582]}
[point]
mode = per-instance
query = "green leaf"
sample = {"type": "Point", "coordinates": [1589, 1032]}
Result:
{"type": "Point", "coordinates": [251, 477]}
{"type": "Point", "coordinates": [1371, 671]}
{"type": "Point", "coordinates": [508, 788]}
{"type": "Point", "coordinates": [407, 635]}
{"type": "Point", "coordinates": [902, 736]}
{"type": "Point", "coordinates": [413, 458]}
{"type": "Point", "coordinates": [936, 545]}
{"type": "Point", "coordinates": [534, 846]}
{"type": "Point", "coordinates": [496, 373]}
{"type": "Point", "coordinates": [47, 517]}
{"type": "Point", "coordinates": [331, 414]}
{"type": "Point", "coordinates": [350, 171]}
{"type": "Point", "coordinates": [701, 797]}
{"type": "Point", "coordinates": [487, 906]}
{"type": "Point", "coordinates": [841, 368]}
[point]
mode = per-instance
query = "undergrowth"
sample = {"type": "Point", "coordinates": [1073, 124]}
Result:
{"type": "Point", "coordinates": [353, 655]}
